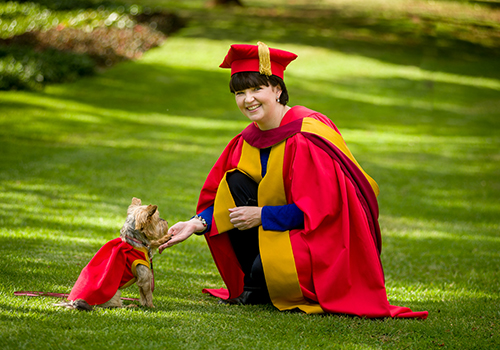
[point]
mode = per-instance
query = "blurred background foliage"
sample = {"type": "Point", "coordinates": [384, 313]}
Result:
{"type": "Point", "coordinates": [56, 41]}
{"type": "Point", "coordinates": [50, 41]}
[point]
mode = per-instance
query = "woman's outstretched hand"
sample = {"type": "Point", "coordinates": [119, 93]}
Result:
{"type": "Point", "coordinates": [182, 231]}
{"type": "Point", "coordinates": [244, 218]}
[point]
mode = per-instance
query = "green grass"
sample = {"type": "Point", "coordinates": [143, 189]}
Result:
{"type": "Point", "coordinates": [425, 126]}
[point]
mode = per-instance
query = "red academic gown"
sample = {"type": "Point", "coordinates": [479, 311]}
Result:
{"type": "Point", "coordinates": [332, 264]}
{"type": "Point", "coordinates": [113, 267]}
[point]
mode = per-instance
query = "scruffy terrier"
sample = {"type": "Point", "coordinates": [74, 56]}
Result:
{"type": "Point", "coordinates": [122, 262]}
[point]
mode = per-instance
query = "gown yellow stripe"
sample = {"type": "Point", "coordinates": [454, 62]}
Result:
{"type": "Point", "coordinates": [275, 246]}
{"type": "Point", "coordinates": [316, 127]}
{"type": "Point", "coordinates": [250, 162]}
{"type": "Point", "coordinates": [223, 201]}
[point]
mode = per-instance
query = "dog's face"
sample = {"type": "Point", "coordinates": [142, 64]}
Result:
{"type": "Point", "coordinates": [147, 220]}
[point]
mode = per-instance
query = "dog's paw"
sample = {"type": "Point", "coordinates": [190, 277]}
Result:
{"type": "Point", "coordinates": [160, 241]}
{"type": "Point", "coordinates": [131, 306]}
{"type": "Point", "coordinates": [78, 304]}
{"type": "Point", "coordinates": [82, 305]}
{"type": "Point", "coordinates": [165, 239]}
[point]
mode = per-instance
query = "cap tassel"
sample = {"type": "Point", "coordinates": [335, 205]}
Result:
{"type": "Point", "coordinates": [264, 59]}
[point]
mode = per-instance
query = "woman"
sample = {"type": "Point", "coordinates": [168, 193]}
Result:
{"type": "Point", "coordinates": [289, 215]}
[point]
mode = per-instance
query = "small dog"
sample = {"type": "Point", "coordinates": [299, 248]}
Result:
{"type": "Point", "coordinates": [122, 262]}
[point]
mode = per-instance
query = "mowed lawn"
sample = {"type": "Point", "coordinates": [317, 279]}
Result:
{"type": "Point", "coordinates": [73, 156]}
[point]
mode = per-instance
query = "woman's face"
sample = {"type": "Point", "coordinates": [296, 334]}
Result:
{"type": "Point", "coordinates": [259, 105]}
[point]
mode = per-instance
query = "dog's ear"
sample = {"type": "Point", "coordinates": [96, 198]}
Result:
{"type": "Point", "coordinates": [136, 201]}
{"type": "Point", "coordinates": [151, 209]}
{"type": "Point", "coordinates": [142, 219]}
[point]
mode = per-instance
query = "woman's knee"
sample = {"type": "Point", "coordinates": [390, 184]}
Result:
{"type": "Point", "coordinates": [243, 189]}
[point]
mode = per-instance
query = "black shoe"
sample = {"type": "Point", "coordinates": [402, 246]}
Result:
{"type": "Point", "coordinates": [248, 297]}
{"type": "Point", "coordinates": [241, 300]}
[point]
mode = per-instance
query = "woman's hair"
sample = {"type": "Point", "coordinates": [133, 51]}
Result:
{"type": "Point", "coordinates": [246, 80]}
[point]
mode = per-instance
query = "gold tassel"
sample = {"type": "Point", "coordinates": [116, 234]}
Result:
{"type": "Point", "coordinates": [264, 59]}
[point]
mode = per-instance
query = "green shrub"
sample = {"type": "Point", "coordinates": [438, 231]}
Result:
{"type": "Point", "coordinates": [40, 43]}
{"type": "Point", "coordinates": [73, 4]}
{"type": "Point", "coordinates": [24, 68]}
{"type": "Point", "coordinates": [17, 18]}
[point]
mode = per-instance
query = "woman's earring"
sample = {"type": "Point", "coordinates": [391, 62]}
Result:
{"type": "Point", "coordinates": [277, 99]}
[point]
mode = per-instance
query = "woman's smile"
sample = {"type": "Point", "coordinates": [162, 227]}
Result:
{"type": "Point", "coordinates": [259, 105]}
{"type": "Point", "coordinates": [253, 108]}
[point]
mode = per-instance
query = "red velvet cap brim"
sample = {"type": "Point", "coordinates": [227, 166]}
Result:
{"type": "Point", "coordinates": [245, 58]}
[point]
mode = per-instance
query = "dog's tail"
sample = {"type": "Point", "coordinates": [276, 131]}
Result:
{"type": "Point", "coordinates": [78, 304]}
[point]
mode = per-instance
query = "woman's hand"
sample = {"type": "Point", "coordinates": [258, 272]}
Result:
{"type": "Point", "coordinates": [244, 218]}
{"type": "Point", "coordinates": [182, 231]}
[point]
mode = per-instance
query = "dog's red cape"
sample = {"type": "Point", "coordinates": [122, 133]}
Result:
{"type": "Point", "coordinates": [333, 264]}
{"type": "Point", "coordinates": [111, 268]}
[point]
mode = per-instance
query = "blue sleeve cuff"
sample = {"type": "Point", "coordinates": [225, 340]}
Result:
{"type": "Point", "coordinates": [206, 214]}
{"type": "Point", "coordinates": [282, 218]}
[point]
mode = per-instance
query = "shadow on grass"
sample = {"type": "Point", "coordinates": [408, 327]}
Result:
{"type": "Point", "coordinates": [43, 264]}
{"type": "Point", "coordinates": [127, 131]}
{"type": "Point", "coordinates": [441, 116]}
{"type": "Point", "coordinates": [154, 88]}
{"type": "Point", "coordinates": [422, 41]}
{"type": "Point", "coordinates": [194, 325]}
{"type": "Point", "coordinates": [108, 153]}
{"type": "Point", "coordinates": [53, 259]}
{"type": "Point", "coordinates": [436, 266]}
{"type": "Point", "coordinates": [423, 106]}
{"type": "Point", "coordinates": [411, 106]}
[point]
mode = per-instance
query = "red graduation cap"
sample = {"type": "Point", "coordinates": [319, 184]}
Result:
{"type": "Point", "coordinates": [257, 58]}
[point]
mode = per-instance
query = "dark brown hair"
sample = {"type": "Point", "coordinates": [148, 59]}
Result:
{"type": "Point", "coordinates": [246, 80]}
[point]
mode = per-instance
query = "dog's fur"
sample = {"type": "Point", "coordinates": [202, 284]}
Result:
{"type": "Point", "coordinates": [143, 228]}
